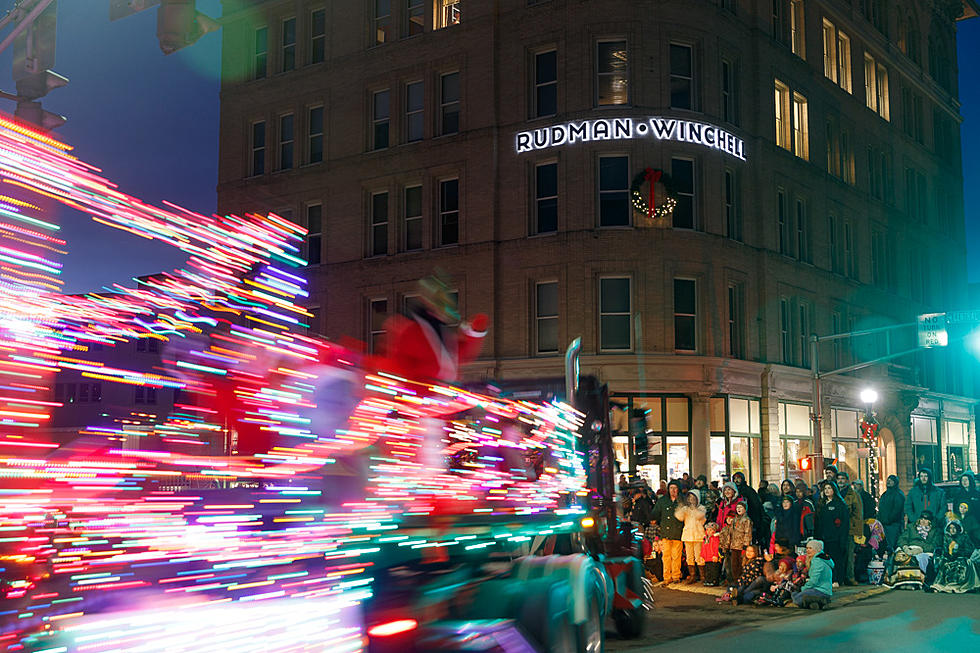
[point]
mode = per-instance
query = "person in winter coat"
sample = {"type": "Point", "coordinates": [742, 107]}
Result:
{"type": "Point", "coordinates": [924, 495]}
{"type": "Point", "coordinates": [726, 506]}
{"type": "Point", "coordinates": [832, 526]}
{"type": "Point", "coordinates": [760, 530]}
{"type": "Point", "coordinates": [856, 526]}
{"type": "Point", "coordinates": [709, 496]}
{"type": "Point", "coordinates": [969, 520]}
{"type": "Point", "coordinates": [711, 554]}
{"type": "Point", "coordinates": [819, 586]}
{"type": "Point", "coordinates": [787, 488]}
{"type": "Point", "coordinates": [692, 514]}
{"type": "Point", "coordinates": [741, 537]}
{"type": "Point", "coordinates": [671, 531]}
{"type": "Point", "coordinates": [642, 508]}
{"type": "Point", "coordinates": [956, 572]}
{"type": "Point", "coordinates": [891, 511]}
{"type": "Point", "coordinates": [751, 581]}
{"type": "Point", "coordinates": [787, 523]}
{"type": "Point", "coordinates": [922, 533]}
{"type": "Point", "coordinates": [808, 509]}
{"type": "Point", "coordinates": [867, 501]}
{"type": "Point", "coordinates": [966, 492]}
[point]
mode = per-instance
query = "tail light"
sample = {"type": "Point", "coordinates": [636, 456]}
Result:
{"type": "Point", "coordinates": [389, 628]}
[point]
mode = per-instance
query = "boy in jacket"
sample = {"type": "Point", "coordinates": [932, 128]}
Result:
{"type": "Point", "coordinates": [818, 588]}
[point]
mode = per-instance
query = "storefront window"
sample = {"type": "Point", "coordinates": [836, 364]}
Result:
{"type": "Point", "coordinates": [794, 431]}
{"type": "Point", "coordinates": [740, 427]}
{"type": "Point", "coordinates": [925, 445]}
{"type": "Point", "coordinates": [850, 453]}
{"type": "Point", "coordinates": [718, 458]}
{"type": "Point", "coordinates": [668, 435]}
{"type": "Point", "coordinates": [678, 458]}
{"type": "Point", "coordinates": [955, 439]}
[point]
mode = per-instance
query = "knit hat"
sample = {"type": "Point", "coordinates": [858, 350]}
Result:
{"type": "Point", "coordinates": [731, 485]}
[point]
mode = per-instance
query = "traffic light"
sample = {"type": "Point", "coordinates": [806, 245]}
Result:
{"type": "Point", "coordinates": [180, 24]}
{"type": "Point", "coordinates": [805, 463]}
{"type": "Point", "coordinates": [34, 56]}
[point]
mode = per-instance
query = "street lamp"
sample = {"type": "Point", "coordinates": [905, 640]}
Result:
{"type": "Point", "coordinates": [869, 396]}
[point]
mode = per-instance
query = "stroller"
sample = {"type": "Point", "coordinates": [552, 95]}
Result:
{"type": "Point", "coordinates": [906, 573]}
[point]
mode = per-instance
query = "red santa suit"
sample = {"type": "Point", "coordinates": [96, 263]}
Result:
{"type": "Point", "coordinates": [420, 347]}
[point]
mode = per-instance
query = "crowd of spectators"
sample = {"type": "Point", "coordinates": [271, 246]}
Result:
{"type": "Point", "coordinates": [795, 543]}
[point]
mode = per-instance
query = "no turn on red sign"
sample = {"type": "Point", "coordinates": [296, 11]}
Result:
{"type": "Point", "coordinates": [932, 330]}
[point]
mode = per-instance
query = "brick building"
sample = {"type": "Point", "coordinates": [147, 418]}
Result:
{"type": "Point", "coordinates": [810, 150]}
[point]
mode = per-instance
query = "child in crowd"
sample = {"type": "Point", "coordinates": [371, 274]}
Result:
{"type": "Point", "coordinates": [741, 538]}
{"type": "Point", "coordinates": [725, 546]}
{"type": "Point", "coordinates": [711, 554]}
{"type": "Point", "coordinates": [751, 581]}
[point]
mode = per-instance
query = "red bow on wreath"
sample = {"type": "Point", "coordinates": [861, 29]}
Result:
{"type": "Point", "coordinates": [652, 176]}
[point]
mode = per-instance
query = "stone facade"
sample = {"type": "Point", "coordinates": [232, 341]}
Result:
{"type": "Point", "coordinates": [845, 214]}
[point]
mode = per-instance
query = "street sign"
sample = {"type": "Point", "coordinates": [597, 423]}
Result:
{"type": "Point", "coordinates": [963, 316]}
{"type": "Point", "coordinates": [932, 330]}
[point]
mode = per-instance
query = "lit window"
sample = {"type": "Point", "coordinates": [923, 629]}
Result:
{"type": "Point", "coordinates": [381, 110]}
{"type": "Point", "coordinates": [449, 212]}
{"type": "Point", "coordinates": [318, 31]}
{"type": "Point", "coordinates": [801, 127]}
{"type": "Point", "coordinates": [844, 61]}
{"type": "Point", "coordinates": [414, 112]}
{"type": "Point", "coordinates": [286, 142]}
{"type": "Point", "coordinates": [382, 21]}
{"type": "Point", "coordinates": [870, 83]}
{"type": "Point", "coordinates": [783, 120]}
{"type": "Point", "coordinates": [315, 140]}
{"type": "Point", "coordinates": [414, 17]}
{"type": "Point", "coordinates": [881, 90]}
{"type": "Point", "coordinates": [449, 13]}
{"type": "Point", "coordinates": [379, 224]}
{"type": "Point", "coordinates": [449, 103]}
{"type": "Point", "coordinates": [546, 198]}
{"type": "Point", "coordinates": [288, 44]}
{"type": "Point", "coordinates": [546, 317]}
{"type": "Point", "coordinates": [615, 314]}
{"type": "Point", "coordinates": [612, 73]}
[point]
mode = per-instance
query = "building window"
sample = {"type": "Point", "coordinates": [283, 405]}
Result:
{"type": "Point", "coordinates": [803, 334]}
{"type": "Point", "coordinates": [736, 320]}
{"type": "Point", "coordinates": [612, 73]}
{"type": "Point", "coordinates": [449, 103]}
{"type": "Point", "coordinates": [449, 212]}
{"type": "Point", "coordinates": [801, 127]}
{"type": "Point", "coordinates": [379, 224]}
{"type": "Point", "coordinates": [615, 314]}
{"type": "Point", "coordinates": [614, 184]}
{"type": "Point", "coordinates": [545, 84]}
{"type": "Point", "coordinates": [414, 112]}
{"type": "Point", "coordinates": [836, 55]}
{"type": "Point", "coordinates": [787, 24]}
{"type": "Point", "coordinates": [836, 321]}
{"type": "Point", "coordinates": [286, 142]}
{"type": "Point", "coordinates": [782, 216]}
{"type": "Point", "coordinates": [96, 393]}
{"type": "Point", "coordinates": [682, 174]}
{"type": "Point", "coordinates": [802, 232]}
{"type": "Point", "coordinates": [546, 198]}
{"type": "Point", "coordinates": [733, 213]}
{"type": "Point", "coordinates": [784, 121]}
{"type": "Point", "coordinates": [685, 315]}
{"type": "Point", "coordinates": [377, 315]}
{"type": "Point", "coordinates": [314, 213]}
{"type": "Point", "coordinates": [258, 147]}
{"type": "Point", "coordinates": [850, 269]}
{"type": "Point", "coordinates": [729, 92]}
{"type": "Point", "coordinates": [412, 228]}
{"type": "Point", "coordinates": [449, 13]}
{"type": "Point", "coordinates": [260, 61]}
{"type": "Point", "coordinates": [832, 244]}
{"type": "Point", "coordinates": [288, 44]}
{"type": "Point", "coordinates": [546, 317]}
{"type": "Point", "coordinates": [878, 258]}
{"type": "Point", "coordinates": [318, 38]}
{"type": "Point", "coordinates": [846, 157]}
{"type": "Point", "coordinates": [876, 86]}
{"type": "Point", "coordinates": [797, 41]}
{"type": "Point", "coordinates": [681, 77]}
{"type": "Point", "coordinates": [414, 17]}
{"type": "Point", "coordinates": [380, 119]}
{"type": "Point", "coordinates": [785, 340]}
{"type": "Point", "coordinates": [912, 113]}
{"type": "Point", "coordinates": [382, 21]}
{"type": "Point", "coordinates": [314, 143]}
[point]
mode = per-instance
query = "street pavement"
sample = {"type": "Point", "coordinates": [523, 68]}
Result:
{"type": "Point", "coordinates": [861, 619]}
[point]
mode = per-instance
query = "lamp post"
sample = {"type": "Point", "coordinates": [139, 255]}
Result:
{"type": "Point", "coordinates": [869, 432]}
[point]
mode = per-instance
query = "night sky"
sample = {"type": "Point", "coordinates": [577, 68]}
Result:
{"type": "Point", "coordinates": [151, 123]}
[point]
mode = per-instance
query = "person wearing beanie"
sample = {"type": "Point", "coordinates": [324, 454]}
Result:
{"type": "Point", "coordinates": [671, 531]}
{"type": "Point", "coordinates": [709, 496]}
{"type": "Point", "coordinates": [830, 473]}
{"type": "Point", "coordinates": [922, 496]}
{"type": "Point", "coordinates": [729, 498]}
{"type": "Point", "coordinates": [818, 589]}
{"type": "Point", "coordinates": [760, 525]}
{"type": "Point", "coordinates": [855, 509]}
{"type": "Point", "coordinates": [891, 510]}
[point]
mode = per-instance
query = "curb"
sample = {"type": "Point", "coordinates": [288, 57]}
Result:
{"type": "Point", "coordinates": [843, 600]}
{"type": "Point", "coordinates": [871, 591]}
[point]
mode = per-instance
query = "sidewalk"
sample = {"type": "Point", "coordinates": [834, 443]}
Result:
{"type": "Point", "coordinates": [842, 595]}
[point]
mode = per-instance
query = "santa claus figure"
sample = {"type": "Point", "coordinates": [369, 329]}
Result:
{"type": "Point", "coordinates": [430, 342]}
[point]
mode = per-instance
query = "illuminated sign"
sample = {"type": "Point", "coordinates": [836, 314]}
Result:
{"type": "Point", "coordinates": [615, 129]}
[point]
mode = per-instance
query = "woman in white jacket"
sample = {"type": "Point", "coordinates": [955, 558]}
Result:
{"type": "Point", "coordinates": [692, 514]}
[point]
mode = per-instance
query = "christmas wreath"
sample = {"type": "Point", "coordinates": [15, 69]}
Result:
{"type": "Point", "coordinates": [649, 208]}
